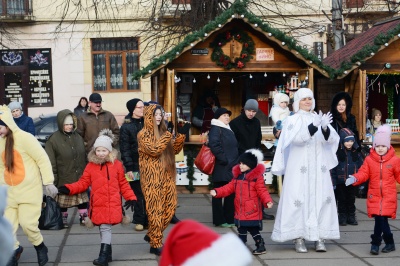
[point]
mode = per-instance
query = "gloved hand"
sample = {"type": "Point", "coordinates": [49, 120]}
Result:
{"type": "Point", "coordinates": [170, 127]}
{"type": "Point", "coordinates": [51, 190]}
{"type": "Point", "coordinates": [63, 190]}
{"type": "Point", "coordinates": [326, 120]}
{"type": "Point", "coordinates": [350, 180]}
{"type": "Point", "coordinates": [185, 129]}
{"type": "Point", "coordinates": [130, 204]}
{"type": "Point", "coordinates": [317, 119]}
{"type": "Point", "coordinates": [278, 125]}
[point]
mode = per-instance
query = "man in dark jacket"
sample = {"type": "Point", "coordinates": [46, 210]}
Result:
{"type": "Point", "coordinates": [133, 123]}
{"type": "Point", "coordinates": [94, 120]}
{"type": "Point", "coordinates": [247, 129]}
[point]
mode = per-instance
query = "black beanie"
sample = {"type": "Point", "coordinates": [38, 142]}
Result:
{"type": "Point", "coordinates": [2, 123]}
{"type": "Point", "coordinates": [131, 104]}
{"type": "Point", "coordinates": [251, 158]}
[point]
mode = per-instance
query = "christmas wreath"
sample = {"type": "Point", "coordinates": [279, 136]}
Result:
{"type": "Point", "coordinates": [222, 60]}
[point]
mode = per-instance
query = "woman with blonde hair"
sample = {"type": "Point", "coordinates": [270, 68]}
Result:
{"type": "Point", "coordinates": [157, 149]}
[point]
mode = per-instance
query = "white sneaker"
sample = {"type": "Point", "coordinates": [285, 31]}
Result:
{"type": "Point", "coordinates": [139, 227]}
{"type": "Point", "coordinates": [300, 245]}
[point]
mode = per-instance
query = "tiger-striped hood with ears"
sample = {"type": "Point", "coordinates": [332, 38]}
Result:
{"type": "Point", "coordinates": [148, 116]}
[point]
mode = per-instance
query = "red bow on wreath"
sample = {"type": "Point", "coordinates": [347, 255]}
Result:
{"type": "Point", "coordinates": [240, 64]}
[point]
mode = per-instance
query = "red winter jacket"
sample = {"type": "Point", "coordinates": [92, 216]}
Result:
{"type": "Point", "coordinates": [382, 173]}
{"type": "Point", "coordinates": [250, 193]}
{"type": "Point", "coordinates": [108, 182]}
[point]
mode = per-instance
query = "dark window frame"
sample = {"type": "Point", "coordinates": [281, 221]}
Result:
{"type": "Point", "coordinates": [26, 10]}
{"type": "Point", "coordinates": [109, 53]}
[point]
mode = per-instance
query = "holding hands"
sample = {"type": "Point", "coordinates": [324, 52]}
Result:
{"type": "Point", "coordinates": [130, 204]}
{"type": "Point", "coordinates": [51, 190]}
{"type": "Point", "coordinates": [350, 180]}
{"type": "Point", "coordinates": [63, 190]}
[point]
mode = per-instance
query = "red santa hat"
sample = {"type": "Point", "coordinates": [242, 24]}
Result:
{"type": "Point", "coordinates": [191, 243]}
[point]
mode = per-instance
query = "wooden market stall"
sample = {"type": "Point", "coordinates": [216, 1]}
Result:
{"type": "Point", "coordinates": [237, 56]}
{"type": "Point", "coordinates": [369, 67]}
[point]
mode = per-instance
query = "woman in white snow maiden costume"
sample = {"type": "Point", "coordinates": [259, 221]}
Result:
{"type": "Point", "coordinates": [306, 152]}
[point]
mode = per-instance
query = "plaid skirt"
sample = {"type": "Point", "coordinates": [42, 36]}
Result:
{"type": "Point", "coordinates": [67, 201]}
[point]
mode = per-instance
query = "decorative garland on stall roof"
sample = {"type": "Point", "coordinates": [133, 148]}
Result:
{"type": "Point", "coordinates": [221, 59]}
{"type": "Point", "coordinates": [238, 10]}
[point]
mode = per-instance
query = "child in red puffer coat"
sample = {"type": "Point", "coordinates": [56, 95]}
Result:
{"type": "Point", "coordinates": [382, 168]}
{"type": "Point", "coordinates": [250, 195]}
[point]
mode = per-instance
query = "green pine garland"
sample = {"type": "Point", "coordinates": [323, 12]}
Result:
{"type": "Point", "coordinates": [238, 9]}
{"type": "Point", "coordinates": [190, 172]}
{"type": "Point", "coordinates": [222, 60]}
{"type": "Point", "coordinates": [390, 94]}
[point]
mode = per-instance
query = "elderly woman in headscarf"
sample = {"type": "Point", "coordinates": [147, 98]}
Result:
{"type": "Point", "coordinates": [306, 152]}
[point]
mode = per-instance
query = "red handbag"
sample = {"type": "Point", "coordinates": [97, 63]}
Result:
{"type": "Point", "coordinates": [205, 160]}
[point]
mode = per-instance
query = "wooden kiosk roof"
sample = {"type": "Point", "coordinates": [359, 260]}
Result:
{"type": "Point", "coordinates": [237, 14]}
{"type": "Point", "coordinates": [363, 47]}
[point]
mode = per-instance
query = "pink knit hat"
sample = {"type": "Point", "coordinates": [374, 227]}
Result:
{"type": "Point", "coordinates": [382, 136]}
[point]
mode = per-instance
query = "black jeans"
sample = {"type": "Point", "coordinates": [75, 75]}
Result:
{"type": "Point", "coordinates": [345, 198]}
{"type": "Point", "coordinates": [253, 230]}
{"type": "Point", "coordinates": [223, 212]}
{"type": "Point", "coordinates": [381, 226]}
{"type": "Point", "coordinates": [139, 211]}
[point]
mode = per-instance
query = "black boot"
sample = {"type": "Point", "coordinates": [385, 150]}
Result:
{"type": "Point", "coordinates": [14, 259]}
{"type": "Point", "coordinates": [260, 247]}
{"type": "Point", "coordinates": [175, 220]}
{"type": "Point", "coordinates": [389, 243]}
{"type": "Point", "coordinates": [351, 219]}
{"type": "Point", "coordinates": [375, 243]}
{"type": "Point", "coordinates": [102, 260]}
{"type": "Point", "coordinates": [41, 252]}
{"type": "Point", "coordinates": [342, 219]}
{"type": "Point", "coordinates": [156, 251]}
{"type": "Point", "coordinates": [110, 254]}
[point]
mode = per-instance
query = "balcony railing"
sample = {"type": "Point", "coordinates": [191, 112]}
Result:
{"type": "Point", "coordinates": [16, 10]}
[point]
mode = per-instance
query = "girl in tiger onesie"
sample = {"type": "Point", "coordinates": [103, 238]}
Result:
{"type": "Point", "coordinates": [157, 149]}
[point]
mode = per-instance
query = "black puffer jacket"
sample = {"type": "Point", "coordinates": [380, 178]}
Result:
{"type": "Point", "coordinates": [338, 122]}
{"type": "Point", "coordinates": [128, 143]}
{"type": "Point", "coordinates": [223, 145]}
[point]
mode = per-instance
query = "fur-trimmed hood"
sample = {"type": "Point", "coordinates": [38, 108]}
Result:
{"type": "Point", "coordinates": [110, 158]}
{"type": "Point", "coordinates": [252, 175]}
{"type": "Point", "coordinates": [337, 98]}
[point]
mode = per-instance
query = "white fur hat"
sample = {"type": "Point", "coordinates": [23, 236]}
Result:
{"type": "Point", "coordinates": [280, 97]}
{"type": "Point", "coordinates": [301, 94]}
